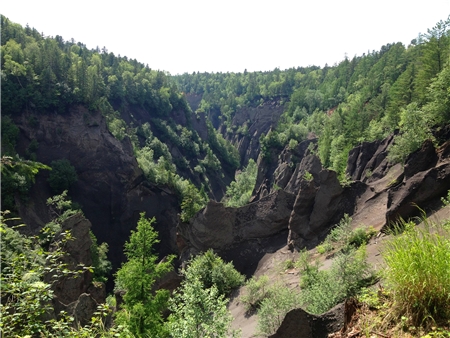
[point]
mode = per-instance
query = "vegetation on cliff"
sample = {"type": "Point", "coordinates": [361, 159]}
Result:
{"type": "Point", "coordinates": [42, 75]}
{"type": "Point", "coordinates": [359, 99]}
{"type": "Point", "coordinates": [396, 89]}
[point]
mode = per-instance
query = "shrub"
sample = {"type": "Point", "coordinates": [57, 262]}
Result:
{"type": "Point", "coordinates": [26, 288]}
{"type": "Point", "coordinates": [211, 270]}
{"type": "Point", "coordinates": [343, 237]}
{"type": "Point", "coordinates": [321, 290]}
{"type": "Point", "coordinates": [240, 191]}
{"type": "Point", "coordinates": [418, 270]}
{"type": "Point", "coordinates": [324, 247]}
{"type": "Point", "coordinates": [360, 236]}
{"type": "Point", "coordinates": [308, 176]}
{"type": "Point", "coordinates": [256, 290]}
{"type": "Point", "coordinates": [102, 266]}
{"type": "Point", "coordinates": [273, 308]}
{"type": "Point", "coordinates": [198, 312]}
{"type": "Point", "coordinates": [62, 176]}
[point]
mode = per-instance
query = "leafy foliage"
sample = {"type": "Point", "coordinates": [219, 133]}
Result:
{"type": "Point", "coordinates": [10, 133]}
{"type": "Point", "coordinates": [27, 273]}
{"type": "Point", "coordinates": [321, 289]}
{"type": "Point", "coordinates": [199, 306]}
{"type": "Point", "coordinates": [342, 237]}
{"type": "Point", "coordinates": [256, 290]}
{"type": "Point", "coordinates": [62, 176]}
{"type": "Point", "coordinates": [17, 178]}
{"type": "Point", "coordinates": [211, 270]}
{"type": "Point", "coordinates": [199, 312]}
{"type": "Point", "coordinates": [142, 309]}
{"type": "Point", "coordinates": [273, 308]}
{"type": "Point", "coordinates": [100, 263]}
{"type": "Point", "coordinates": [240, 191]}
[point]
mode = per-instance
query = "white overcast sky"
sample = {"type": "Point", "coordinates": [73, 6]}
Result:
{"type": "Point", "coordinates": [218, 36]}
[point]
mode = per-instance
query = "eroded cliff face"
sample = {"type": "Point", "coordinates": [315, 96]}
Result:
{"type": "Point", "coordinates": [111, 188]}
{"type": "Point", "coordinates": [259, 120]}
{"type": "Point", "coordinates": [302, 200]}
{"type": "Point", "coordinates": [240, 234]}
{"type": "Point", "coordinates": [296, 201]}
{"type": "Point", "coordinates": [78, 296]}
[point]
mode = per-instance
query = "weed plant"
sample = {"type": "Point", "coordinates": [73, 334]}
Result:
{"type": "Point", "coordinates": [418, 272]}
{"type": "Point", "coordinates": [256, 290]}
{"type": "Point", "coordinates": [274, 308]}
{"type": "Point", "coordinates": [321, 290]}
{"type": "Point", "coordinates": [343, 237]}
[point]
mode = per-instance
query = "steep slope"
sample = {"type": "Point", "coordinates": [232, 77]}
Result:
{"type": "Point", "coordinates": [309, 199]}
{"type": "Point", "coordinates": [111, 188]}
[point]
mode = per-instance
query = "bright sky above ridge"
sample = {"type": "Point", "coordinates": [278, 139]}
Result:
{"type": "Point", "coordinates": [218, 36]}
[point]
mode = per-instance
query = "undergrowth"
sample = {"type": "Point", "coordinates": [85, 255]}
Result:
{"type": "Point", "coordinates": [323, 289]}
{"type": "Point", "coordinates": [418, 272]}
{"type": "Point", "coordinates": [415, 296]}
{"type": "Point", "coordinates": [343, 238]}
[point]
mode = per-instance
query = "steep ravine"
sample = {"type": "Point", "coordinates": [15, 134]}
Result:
{"type": "Point", "coordinates": [111, 188]}
{"type": "Point", "coordinates": [258, 119]}
{"type": "Point", "coordinates": [290, 210]}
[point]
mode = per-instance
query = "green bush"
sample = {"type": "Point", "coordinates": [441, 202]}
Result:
{"type": "Point", "coordinates": [240, 191]}
{"type": "Point", "coordinates": [102, 266]}
{"type": "Point", "coordinates": [273, 308]}
{"type": "Point", "coordinates": [418, 272]}
{"type": "Point", "coordinates": [26, 288]}
{"type": "Point", "coordinates": [198, 312]}
{"type": "Point", "coordinates": [256, 290]}
{"type": "Point", "coordinates": [321, 290]}
{"type": "Point", "coordinates": [324, 247]}
{"type": "Point", "coordinates": [344, 238]}
{"type": "Point", "coordinates": [211, 270]}
{"type": "Point", "coordinates": [360, 236]}
{"type": "Point", "coordinates": [62, 176]}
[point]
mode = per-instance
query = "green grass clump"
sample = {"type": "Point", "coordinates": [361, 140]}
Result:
{"type": "Point", "coordinates": [418, 272]}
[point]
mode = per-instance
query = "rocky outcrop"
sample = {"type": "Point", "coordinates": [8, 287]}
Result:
{"type": "Point", "coordinates": [111, 187]}
{"type": "Point", "coordinates": [368, 161]}
{"type": "Point", "coordinates": [77, 295]}
{"type": "Point", "coordinates": [222, 228]}
{"type": "Point", "coordinates": [426, 178]}
{"type": "Point", "coordinates": [379, 193]}
{"type": "Point", "coordinates": [317, 204]}
{"type": "Point", "coordinates": [301, 324]}
{"type": "Point", "coordinates": [285, 171]}
{"type": "Point", "coordinates": [259, 120]}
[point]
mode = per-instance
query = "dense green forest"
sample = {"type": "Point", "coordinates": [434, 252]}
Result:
{"type": "Point", "coordinates": [398, 89]}
{"type": "Point", "coordinates": [360, 99]}
{"type": "Point", "coordinates": [49, 75]}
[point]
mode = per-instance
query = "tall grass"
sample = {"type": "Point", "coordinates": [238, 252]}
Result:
{"type": "Point", "coordinates": [418, 272]}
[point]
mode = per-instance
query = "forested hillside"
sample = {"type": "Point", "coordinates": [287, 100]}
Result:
{"type": "Point", "coordinates": [99, 150]}
{"type": "Point", "coordinates": [360, 99]}
{"type": "Point", "coordinates": [47, 75]}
